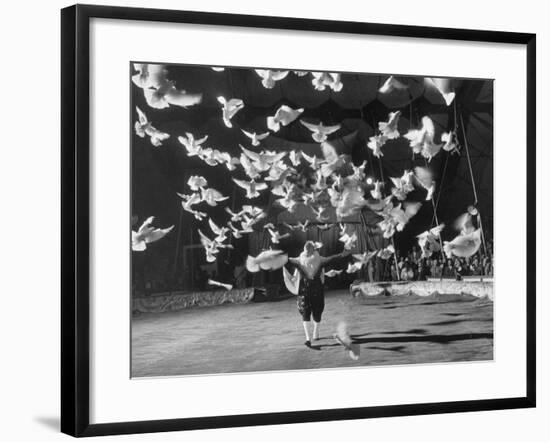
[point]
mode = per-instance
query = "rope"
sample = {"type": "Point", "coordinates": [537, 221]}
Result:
{"type": "Point", "coordinates": [473, 183]}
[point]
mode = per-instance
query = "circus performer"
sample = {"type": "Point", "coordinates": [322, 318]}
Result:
{"type": "Point", "coordinates": [307, 284]}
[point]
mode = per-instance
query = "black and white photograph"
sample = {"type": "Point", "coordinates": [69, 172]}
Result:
{"type": "Point", "coordinates": [295, 220]}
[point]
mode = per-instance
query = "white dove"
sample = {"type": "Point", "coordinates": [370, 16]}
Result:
{"type": "Point", "coordinates": [322, 80]}
{"type": "Point", "coordinates": [269, 77]}
{"type": "Point", "coordinates": [263, 160]}
{"type": "Point", "coordinates": [375, 144]}
{"type": "Point", "coordinates": [147, 234]}
{"type": "Point", "coordinates": [256, 138]}
{"type": "Point", "coordinates": [376, 193]}
{"type": "Point", "coordinates": [422, 140]}
{"type": "Point", "coordinates": [276, 236]}
{"type": "Point", "coordinates": [192, 146]}
{"type": "Point", "coordinates": [210, 246]}
{"type": "Point", "coordinates": [249, 168]}
{"type": "Point", "coordinates": [344, 339]}
{"type": "Point", "coordinates": [450, 142]}
{"type": "Point", "coordinates": [388, 128]}
{"type": "Point", "coordinates": [189, 201]}
{"type": "Point", "coordinates": [428, 241]}
{"type": "Point", "coordinates": [424, 177]}
{"type": "Point", "coordinates": [230, 108]}
{"type": "Point", "coordinates": [144, 127]}
{"type": "Point", "coordinates": [350, 202]}
{"type": "Point", "coordinates": [252, 187]}
{"type": "Point", "coordinates": [149, 75]}
{"type": "Point", "coordinates": [217, 69]}
{"type": "Point", "coordinates": [295, 157]}
{"type": "Point", "coordinates": [196, 182]}
{"type": "Point", "coordinates": [220, 232]}
{"type": "Point", "coordinates": [348, 240]}
{"type": "Point", "coordinates": [320, 213]}
{"type": "Point", "coordinates": [464, 245]}
{"type": "Point", "coordinates": [386, 252]}
{"type": "Point", "coordinates": [354, 267]}
{"type": "Point", "coordinates": [167, 94]}
{"type": "Point", "coordinates": [314, 162]}
{"type": "Point", "coordinates": [332, 273]}
{"type": "Point", "coordinates": [284, 116]}
{"type": "Point", "coordinates": [464, 223]}
{"type": "Point", "coordinates": [219, 284]}
{"type": "Point", "coordinates": [292, 280]}
{"type": "Point", "coordinates": [444, 86]}
{"type": "Point", "coordinates": [364, 258]}
{"type": "Point", "coordinates": [212, 197]}
{"type": "Point", "coordinates": [391, 84]}
{"type": "Point", "coordinates": [402, 185]}
{"type": "Point", "coordinates": [266, 260]}
{"type": "Point", "coordinates": [230, 162]}
{"type": "Point", "coordinates": [319, 132]}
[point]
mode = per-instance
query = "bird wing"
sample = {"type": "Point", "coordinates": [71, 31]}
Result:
{"type": "Point", "coordinates": [312, 127]}
{"type": "Point", "coordinates": [241, 183]}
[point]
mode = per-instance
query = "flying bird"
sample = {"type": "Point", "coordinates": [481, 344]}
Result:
{"type": "Point", "coordinates": [252, 187]}
{"type": "Point", "coordinates": [375, 144]}
{"type": "Point", "coordinates": [266, 260]}
{"type": "Point", "coordinates": [464, 245]}
{"type": "Point", "coordinates": [376, 193]}
{"type": "Point", "coordinates": [388, 128]}
{"type": "Point", "coordinates": [256, 138]}
{"type": "Point", "coordinates": [392, 84]}
{"type": "Point", "coordinates": [212, 197]}
{"type": "Point", "coordinates": [319, 132]}
{"type": "Point", "coordinates": [192, 146]}
{"type": "Point", "coordinates": [429, 241]}
{"type": "Point", "coordinates": [220, 232]}
{"type": "Point", "coordinates": [444, 86]}
{"type": "Point", "coordinates": [219, 284]}
{"type": "Point", "coordinates": [343, 338]}
{"type": "Point", "coordinates": [450, 141]}
{"type": "Point", "coordinates": [149, 75]}
{"type": "Point", "coordinates": [332, 273]}
{"type": "Point", "coordinates": [276, 236]}
{"type": "Point", "coordinates": [284, 116]}
{"type": "Point", "coordinates": [322, 80]}
{"type": "Point", "coordinates": [196, 182]}
{"type": "Point", "coordinates": [424, 177]}
{"type": "Point", "coordinates": [147, 234]}
{"type": "Point", "coordinates": [167, 94]}
{"type": "Point", "coordinates": [270, 78]}
{"type": "Point", "coordinates": [292, 280]}
{"type": "Point", "coordinates": [386, 252]}
{"type": "Point", "coordinates": [144, 127]}
{"type": "Point", "coordinates": [422, 140]}
{"type": "Point", "coordinates": [230, 108]}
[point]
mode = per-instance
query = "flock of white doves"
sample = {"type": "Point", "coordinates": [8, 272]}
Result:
{"type": "Point", "coordinates": [319, 186]}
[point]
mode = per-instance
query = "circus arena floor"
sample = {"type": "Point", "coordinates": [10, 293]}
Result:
{"type": "Point", "coordinates": [269, 336]}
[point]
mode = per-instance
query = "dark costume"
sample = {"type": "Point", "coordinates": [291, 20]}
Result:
{"type": "Point", "coordinates": [311, 294]}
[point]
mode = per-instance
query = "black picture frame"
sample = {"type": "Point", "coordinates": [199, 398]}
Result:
{"type": "Point", "coordinates": [75, 211]}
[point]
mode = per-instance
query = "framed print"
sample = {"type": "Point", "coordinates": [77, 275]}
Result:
{"type": "Point", "coordinates": [292, 220]}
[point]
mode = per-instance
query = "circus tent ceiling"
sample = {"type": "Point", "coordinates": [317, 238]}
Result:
{"type": "Point", "coordinates": [358, 107]}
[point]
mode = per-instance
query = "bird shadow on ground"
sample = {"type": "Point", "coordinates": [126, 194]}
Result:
{"type": "Point", "coordinates": [458, 321]}
{"type": "Point", "coordinates": [437, 339]}
{"type": "Point", "coordinates": [397, 348]}
{"type": "Point", "coordinates": [416, 331]}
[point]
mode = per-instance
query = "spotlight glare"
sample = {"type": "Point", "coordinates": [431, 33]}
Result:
{"type": "Point", "coordinates": [369, 181]}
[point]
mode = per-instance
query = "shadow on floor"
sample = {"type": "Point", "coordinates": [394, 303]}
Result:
{"type": "Point", "coordinates": [50, 422]}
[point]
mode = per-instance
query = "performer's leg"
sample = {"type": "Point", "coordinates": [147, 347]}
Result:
{"type": "Point", "coordinates": [306, 331]}
{"type": "Point", "coordinates": [316, 330]}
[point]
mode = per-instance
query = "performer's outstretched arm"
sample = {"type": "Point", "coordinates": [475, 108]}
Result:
{"type": "Point", "coordinates": [328, 259]}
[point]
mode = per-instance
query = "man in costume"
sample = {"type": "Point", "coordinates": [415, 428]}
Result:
{"type": "Point", "coordinates": [307, 283]}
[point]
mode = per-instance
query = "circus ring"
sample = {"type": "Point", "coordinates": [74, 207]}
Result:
{"type": "Point", "coordinates": [225, 332]}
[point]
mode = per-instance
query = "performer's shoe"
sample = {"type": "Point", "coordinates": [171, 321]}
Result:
{"type": "Point", "coordinates": [307, 344]}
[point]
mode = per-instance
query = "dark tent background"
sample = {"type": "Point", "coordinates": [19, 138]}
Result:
{"type": "Point", "coordinates": [158, 173]}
